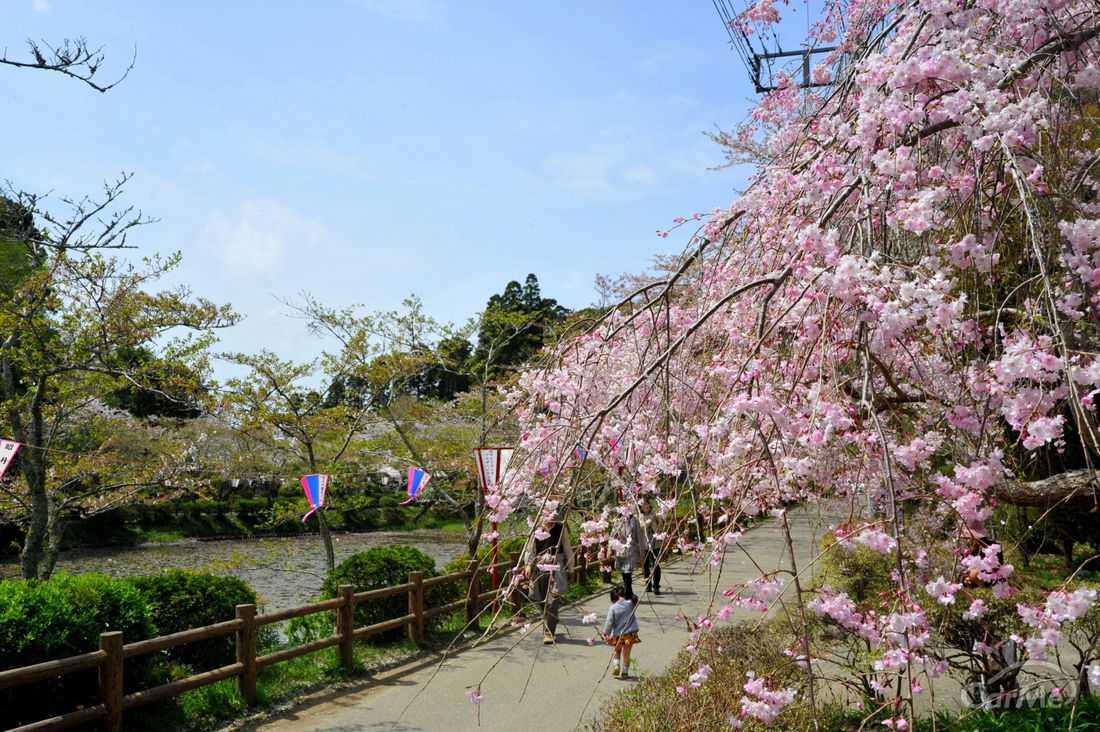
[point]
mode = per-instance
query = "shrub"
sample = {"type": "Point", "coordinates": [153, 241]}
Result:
{"type": "Point", "coordinates": [860, 571]}
{"type": "Point", "coordinates": [653, 703]}
{"type": "Point", "coordinates": [385, 566]}
{"type": "Point", "coordinates": [179, 599]}
{"type": "Point", "coordinates": [42, 621]}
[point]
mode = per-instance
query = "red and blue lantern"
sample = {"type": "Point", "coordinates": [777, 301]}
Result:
{"type": "Point", "coordinates": [315, 486]}
{"type": "Point", "coordinates": [417, 480]}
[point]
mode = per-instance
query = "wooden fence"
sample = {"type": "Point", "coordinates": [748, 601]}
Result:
{"type": "Point", "coordinates": [113, 651]}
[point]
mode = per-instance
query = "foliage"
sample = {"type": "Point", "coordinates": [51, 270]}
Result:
{"type": "Point", "coordinates": [669, 702]}
{"type": "Point", "coordinates": [181, 599]}
{"type": "Point", "coordinates": [386, 566]}
{"type": "Point", "coordinates": [515, 325]}
{"type": "Point", "coordinates": [157, 394]}
{"type": "Point", "coordinates": [861, 572]}
{"type": "Point", "coordinates": [46, 620]}
{"type": "Point", "coordinates": [68, 322]}
{"type": "Point", "coordinates": [1083, 716]}
{"type": "Point", "coordinates": [17, 247]}
{"type": "Point", "coordinates": [1058, 530]}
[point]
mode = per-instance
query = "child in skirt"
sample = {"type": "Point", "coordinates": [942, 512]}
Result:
{"type": "Point", "coordinates": [621, 630]}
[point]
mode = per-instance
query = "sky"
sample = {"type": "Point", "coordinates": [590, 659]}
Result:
{"type": "Point", "coordinates": [366, 150]}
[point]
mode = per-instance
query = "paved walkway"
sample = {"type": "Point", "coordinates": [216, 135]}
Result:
{"type": "Point", "coordinates": [529, 686]}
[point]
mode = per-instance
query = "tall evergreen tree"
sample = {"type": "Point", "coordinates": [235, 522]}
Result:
{"type": "Point", "coordinates": [516, 324]}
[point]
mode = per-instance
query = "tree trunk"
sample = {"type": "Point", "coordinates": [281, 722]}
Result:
{"type": "Point", "coordinates": [404, 437]}
{"type": "Point", "coordinates": [34, 543]}
{"type": "Point", "coordinates": [1048, 491]}
{"type": "Point", "coordinates": [55, 530]}
{"type": "Point", "coordinates": [326, 538]}
{"type": "Point", "coordinates": [32, 464]}
{"type": "Point", "coordinates": [473, 536]}
{"type": "Point", "coordinates": [423, 511]}
{"type": "Point", "coordinates": [476, 525]}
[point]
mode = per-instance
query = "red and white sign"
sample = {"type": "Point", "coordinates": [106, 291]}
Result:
{"type": "Point", "coordinates": [491, 464]}
{"type": "Point", "coordinates": [8, 448]}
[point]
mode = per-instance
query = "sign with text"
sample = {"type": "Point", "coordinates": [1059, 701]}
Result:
{"type": "Point", "coordinates": [491, 464]}
{"type": "Point", "coordinates": [8, 448]}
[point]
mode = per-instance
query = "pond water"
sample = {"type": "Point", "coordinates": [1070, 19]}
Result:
{"type": "Point", "coordinates": [285, 572]}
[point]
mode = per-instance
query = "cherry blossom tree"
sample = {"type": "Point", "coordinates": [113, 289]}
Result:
{"type": "Point", "coordinates": [897, 320]}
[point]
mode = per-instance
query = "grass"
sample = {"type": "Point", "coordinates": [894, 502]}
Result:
{"type": "Point", "coordinates": [162, 536]}
{"type": "Point", "coordinates": [217, 703]}
{"type": "Point", "coordinates": [448, 524]}
{"type": "Point", "coordinates": [654, 703]}
{"type": "Point", "coordinates": [1049, 571]}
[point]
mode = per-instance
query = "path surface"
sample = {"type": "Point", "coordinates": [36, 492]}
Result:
{"type": "Point", "coordinates": [530, 686]}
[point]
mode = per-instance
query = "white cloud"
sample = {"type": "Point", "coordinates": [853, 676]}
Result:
{"type": "Point", "coordinates": [206, 166]}
{"type": "Point", "coordinates": [600, 172]}
{"type": "Point", "coordinates": [641, 175]}
{"type": "Point", "coordinates": [308, 155]}
{"type": "Point", "coordinates": [41, 6]}
{"type": "Point", "coordinates": [581, 172]}
{"type": "Point", "coordinates": [261, 237]}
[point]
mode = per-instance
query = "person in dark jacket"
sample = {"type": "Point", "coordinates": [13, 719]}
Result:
{"type": "Point", "coordinates": [651, 566]}
{"type": "Point", "coordinates": [547, 558]}
{"type": "Point", "coordinates": [631, 547]}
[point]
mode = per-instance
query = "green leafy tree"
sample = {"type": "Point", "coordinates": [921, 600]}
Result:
{"type": "Point", "coordinates": [168, 395]}
{"type": "Point", "coordinates": [388, 354]}
{"type": "Point", "coordinates": [515, 325]}
{"type": "Point", "coordinates": [17, 244]}
{"type": "Point", "coordinates": [425, 378]}
{"type": "Point", "coordinates": [448, 375]}
{"type": "Point", "coordinates": [66, 314]}
{"type": "Point", "coordinates": [276, 408]}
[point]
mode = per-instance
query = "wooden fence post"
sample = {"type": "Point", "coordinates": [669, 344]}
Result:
{"type": "Point", "coordinates": [345, 626]}
{"type": "Point", "coordinates": [246, 651]}
{"type": "Point", "coordinates": [416, 606]}
{"type": "Point", "coordinates": [473, 588]}
{"type": "Point", "coordinates": [110, 679]}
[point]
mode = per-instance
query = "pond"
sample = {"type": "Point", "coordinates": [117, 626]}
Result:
{"type": "Point", "coordinates": [285, 572]}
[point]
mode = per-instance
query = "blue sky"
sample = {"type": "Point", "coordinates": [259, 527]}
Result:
{"type": "Point", "coordinates": [364, 150]}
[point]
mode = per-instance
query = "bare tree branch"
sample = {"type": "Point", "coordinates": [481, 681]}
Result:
{"type": "Point", "coordinates": [73, 58]}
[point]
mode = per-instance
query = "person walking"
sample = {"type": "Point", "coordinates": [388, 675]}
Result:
{"type": "Point", "coordinates": [620, 629]}
{"type": "Point", "coordinates": [630, 546]}
{"type": "Point", "coordinates": [651, 564]}
{"type": "Point", "coordinates": [547, 558]}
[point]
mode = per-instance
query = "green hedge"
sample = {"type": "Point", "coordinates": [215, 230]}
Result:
{"type": "Point", "coordinates": [181, 599]}
{"type": "Point", "coordinates": [42, 621]}
{"type": "Point", "coordinates": [385, 566]}
{"type": "Point", "coordinates": [861, 572]}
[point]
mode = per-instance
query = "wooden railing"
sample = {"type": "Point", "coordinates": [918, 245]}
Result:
{"type": "Point", "coordinates": [113, 652]}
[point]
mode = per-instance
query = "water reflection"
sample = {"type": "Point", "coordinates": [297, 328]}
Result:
{"type": "Point", "coordinates": [284, 572]}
